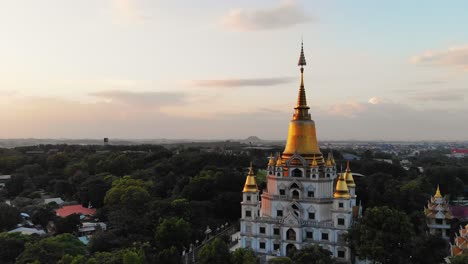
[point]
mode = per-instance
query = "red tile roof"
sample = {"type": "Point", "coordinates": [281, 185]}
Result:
{"type": "Point", "coordinates": [74, 209]}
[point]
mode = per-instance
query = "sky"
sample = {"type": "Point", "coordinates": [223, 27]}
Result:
{"type": "Point", "coordinates": [207, 69]}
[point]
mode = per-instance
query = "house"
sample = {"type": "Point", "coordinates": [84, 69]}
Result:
{"type": "Point", "coordinates": [75, 209]}
{"type": "Point", "coordinates": [56, 200]}
{"type": "Point", "coordinates": [28, 231]}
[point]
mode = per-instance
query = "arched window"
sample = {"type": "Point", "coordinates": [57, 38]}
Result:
{"type": "Point", "coordinates": [295, 194]}
{"type": "Point", "coordinates": [291, 234]}
{"type": "Point", "coordinates": [297, 173]}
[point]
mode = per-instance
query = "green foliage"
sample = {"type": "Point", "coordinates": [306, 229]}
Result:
{"type": "Point", "coordinates": [312, 255]}
{"type": "Point", "coordinates": [461, 259]}
{"type": "Point", "coordinates": [9, 217]}
{"type": "Point", "coordinates": [280, 260]}
{"type": "Point", "coordinates": [42, 216]}
{"type": "Point", "coordinates": [12, 244]}
{"type": "Point", "coordinates": [51, 250]}
{"type": "Point", "coordinates": [67, 224]}
{"type": "Point", "coordinates": [127, 192]}
{"type": "Point", "coordinates": [429, 249]}
{"type": "Point", "coordinates": [384, 235]}
{"type": "Point", "coordinates": [244, 256]}
{"type": "Point", "coordinates": [173, 232]}
{"type": "Point", "coordinates": [214, 252]}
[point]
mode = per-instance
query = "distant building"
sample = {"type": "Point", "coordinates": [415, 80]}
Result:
{"type": "Point", "coordinates": [75, 209]}
{"type": "Point", "coordinates": [438, 215]}
{"type": "Point", "coordinates": [57, 200]}
{"type": "Point", "coordinates": [28, 231]}
{"type": "Point", "coordinates": [3, 180]}
{"type": "Point", "coordinates": [459, 153]}
{"type": "Point", "coordinates": [349, 156]}
{"type": "Point", "coordinates": [106, 141]}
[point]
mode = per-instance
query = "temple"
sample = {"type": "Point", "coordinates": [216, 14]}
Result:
{"type": "Point", "coordinates": [461, 243]}
{"type": "Point", "coordinates": [306, 201]}
{"type": "Point", "coordinates": [438, 215]}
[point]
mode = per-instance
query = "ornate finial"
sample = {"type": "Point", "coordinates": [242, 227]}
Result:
{"type": "Point", "coordinates": [438, 194]}
{"type": "Point", "coordinates": [302, 60]}
{"type": "Point", "coordinates": [251, 169]}
{"type": "Point", "coordinates": [302, 110]}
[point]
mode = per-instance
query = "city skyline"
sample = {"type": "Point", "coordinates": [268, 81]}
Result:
{"type": "Point", "coordinates": [211, 70]}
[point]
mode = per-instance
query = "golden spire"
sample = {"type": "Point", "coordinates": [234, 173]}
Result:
{"type": "Point", "coordinates": [302, 137]}
{"type": "Point", "coordinates": [302, 110]}
{"type": "Point", "coordinates": [437, 194]}
{"type": "Point", "coordinates": [250, 182]}
{"type": "Point", "coordinates": [271, 162]}
{"type": "Point", "coordinates": [341, 190]}
{"type": "Point", "coordinates": [349, 177]}
{"type": "Point", "coordinates": [279, 161]}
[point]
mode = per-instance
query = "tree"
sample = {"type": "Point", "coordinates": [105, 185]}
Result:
{"type": "Point", "coordinates": [67, 224]}
{"type": "Point", "coordinates": [9, 217]}
{"type": "Point", "coordinates": [280, 260]}
{"type": "Point", "coordinates": [384, 235]}
{"type": "Point", "coordinates": [173, 231]}
{"type": "Point", "coordinates": [312, 255]}
{"type": "Point", "coordinates": [461, 259]}
{"type": "Point", "coordinates": [51, 250]}
{"type": "Point", "coordinates": [12, 244]}
{"type": "Point", "coordinates": [127, 192]}
{"type": "Point", "coordinates": [244, 256]}
{"type": "Point", "coordinates": [214, 252]}
{"type": "Point", "coordinates": [42, 216]}
{"type": "Point", "coordinates": [429, 249]}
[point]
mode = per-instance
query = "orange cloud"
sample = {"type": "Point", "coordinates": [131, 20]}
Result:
{"type": "Point", "coordinates": [455, 57]}
{"type": "Point", "coordinates": [288, 13]}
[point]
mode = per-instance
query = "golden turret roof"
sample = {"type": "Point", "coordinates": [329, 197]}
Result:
{"type": "Point", "coordinates": [271, 161]}
{"type": "Point", "coordinates": [349, 177]}
{"type": "Point", "coordinates": [437, 194]}
{"type": "Point", "coordinates": [341, 190]}
{"type": "Point", "coordinates": [279, 161]}
{"type": "Point", "coordinates": [302, 138]}
{"type": "Point", "coordinates": [250, 182]}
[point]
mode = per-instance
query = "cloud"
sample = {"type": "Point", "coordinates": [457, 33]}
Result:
{"type": "Point", "coordinates": [347, 109]}
{"type": "Point", "coordinates": [375, 100]}
{"type": "Point", "coordinates": [151, 99]}
{"type": "Point", "coordinates": [127, 11]}
{"type": "Point", "coordinates": [285, 14]}
{"type": "Point", "coordinates": [438, 95]}
{"type": "Point", "coordinates": [60, 118]}
{"type": "Point", "coordinates": [230, 83]}
{"type": "Point", "coordinates": [456, 57]}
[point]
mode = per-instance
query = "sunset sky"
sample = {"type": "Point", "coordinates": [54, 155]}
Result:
{"type": "Point", "coordinates": [210, 69]}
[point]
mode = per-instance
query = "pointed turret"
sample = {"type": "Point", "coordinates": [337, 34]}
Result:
{"type": "Point", "coordinates": [250, 182]}
{"type": "Point", "coordinates": [349, 177]}
{"type": "Point", "coordinates": [438, 194]}
{"type": "Point", "coordinates": [271, 161]}
{"type": "Point", "coordinates": [341, 190]}
{"type": "Point", "coordinates": [279, 161]}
